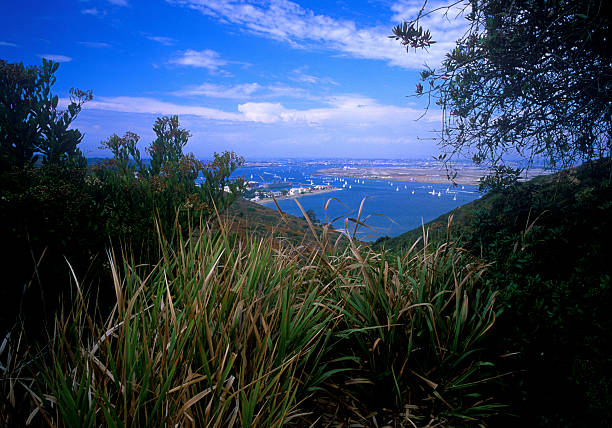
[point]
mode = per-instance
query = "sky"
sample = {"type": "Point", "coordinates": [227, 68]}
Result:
{"type": "Point", "coordinates": [262, 78]}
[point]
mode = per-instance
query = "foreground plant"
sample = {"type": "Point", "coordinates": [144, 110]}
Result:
{"type": "Point", "coordinates": [412, 331]}
{"type": "Point", "coordinates": [242, 331]}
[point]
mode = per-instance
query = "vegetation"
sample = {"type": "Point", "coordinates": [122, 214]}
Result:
{"type": "Point", "coordinates": [30, 123]}
{"type": "Point", "coordinates": [134, 296]}
{"type": "Point", "coordinates": [533, 79]}
{"type": "Point", "coordinates": [54, 206]}
{"type": "Point", "coordinates": [547, 244]}
{"type": "Point", "coordinates": [131, 314]}
{"type": "Point", "coordinates": [528, 76]}
{"type": "Point", "coordinates": [226, 330]}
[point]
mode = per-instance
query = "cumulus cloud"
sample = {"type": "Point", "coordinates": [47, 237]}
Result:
{"type": "Point", "coordinates": [264, 112]}
{"type": "Point", "coordinates": [55, 57]}
{"type": "Point", "coordinates": [289, 22]}
{"type": "Point", "coordinates": [206, 58]}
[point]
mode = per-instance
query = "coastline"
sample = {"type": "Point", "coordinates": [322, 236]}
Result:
{"type": "Point", "coordinates": [316, 192]}
{"type": "Point", "coordinates": [465, 176]}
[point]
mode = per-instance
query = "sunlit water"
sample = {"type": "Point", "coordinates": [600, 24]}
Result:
{"type": "Point", "coordinates": [390, 207]}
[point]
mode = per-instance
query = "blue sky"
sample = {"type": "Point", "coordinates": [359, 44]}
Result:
{"type": "Point", "coordinates": [264, 78]}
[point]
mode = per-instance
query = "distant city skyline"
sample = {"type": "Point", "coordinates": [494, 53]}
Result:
{"type": "Point", "coordinates": [265, 79]}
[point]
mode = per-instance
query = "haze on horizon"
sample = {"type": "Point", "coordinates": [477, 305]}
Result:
{"type": "Point", "coordinates": [264, 79]}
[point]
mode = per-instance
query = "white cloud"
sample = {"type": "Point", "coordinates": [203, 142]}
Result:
{"type": "Point", "coordinates": [95, 44]}
{"type": "Point", "coordinates": [338, 111]}
{"type": "Point", "coordinates": [91, 11]}
{"type": "Point", "coordinates": [238, 92]}
{"type": "Point", "coordinates": [206, 58]}
{"type": "Point", "coordinates": [280, 90]}
{"type": "Point", "coordinates": [166, 41]}
{"type": "Point", "coordinates": [55, 57]}
{"type": "Point", "coordinates": [245, 91]}
{"type": "Point", "coordinates": [289, 22]}
{"type": "Point", "coordinates": [153, 106]}
{"type": "Point", "coordinates": [299, 75]}
{"type": "Point", "coordinates": [12, 45]}
{"type": "Point", "coordinates": [119, 2]}
{"type": "Point", "coordinates": [264, 112]}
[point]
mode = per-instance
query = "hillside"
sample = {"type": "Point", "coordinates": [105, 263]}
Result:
{"type": "Point", "coordinates": [547, 246]}
{"type": "Point", "coordinates": [519, 205]}
{"type": "Point", "coordinates": [248, 216]}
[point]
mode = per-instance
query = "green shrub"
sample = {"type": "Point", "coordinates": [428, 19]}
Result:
{"type": "Point", "coordinates": [548, 243]}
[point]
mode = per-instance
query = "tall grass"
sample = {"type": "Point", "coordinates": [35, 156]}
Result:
{"type": "Point", "coordinates": [232, 330]}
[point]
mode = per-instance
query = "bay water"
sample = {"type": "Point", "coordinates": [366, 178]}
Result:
{"type": "Point", "coordinates": [390, 208]}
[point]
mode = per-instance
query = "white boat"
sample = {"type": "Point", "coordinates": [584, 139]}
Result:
{"type": "Point", "coordinates": [455, 197]}
{"type": "Point", "coordinates": [439, 194]}
{"type": "Point", "coordinates": [397, 189]}
{"type": "Point", "coordinates": [413, 192]}
{"type": "Point", "coordinates": [350, 187]}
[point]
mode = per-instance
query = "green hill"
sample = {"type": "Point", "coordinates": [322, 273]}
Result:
{"type": "Point", "coordinates": [250, 217]}
{"type": "Point", "coordinates": [544, 196]}
{"type": "Point", "coordinates": [548, 246]}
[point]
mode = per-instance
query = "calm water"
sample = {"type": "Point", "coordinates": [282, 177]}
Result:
{"type": "Point", "coordinates": [390, 207]}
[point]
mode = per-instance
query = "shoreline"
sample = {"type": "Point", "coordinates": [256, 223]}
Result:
{"type": "Point", "coordinates": [466, 176]}
{"type": "Point", "coordinates": [317, 192]}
